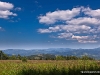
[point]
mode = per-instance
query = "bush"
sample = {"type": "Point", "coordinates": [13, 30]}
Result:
{"type": "Point", "coordinates": [24, 59]}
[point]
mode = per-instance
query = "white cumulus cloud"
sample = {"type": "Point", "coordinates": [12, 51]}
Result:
{"type": "Point", "coordinates": [50, 29]}
{"type": "Point", "coordinates": [52, 17]}
{"type": "Point", "coordinates": [75, 28]}
{"type": "Point", "coordinates": [6, 6]}
{"type": "Point", "coordinates": [80, 23]}
{"type": "Point", "coordinates": [44, 31]}
{"type": "Point", "coordinates": [93, 13]}
{"type": "Point", "coordinates": [85, 39]}
{"type": "Point", "coordinates": [65, 35]}
{"type": "Point", "coordinates": [5, 10]}
{"type": "Point", "coordinates": [84, 20]}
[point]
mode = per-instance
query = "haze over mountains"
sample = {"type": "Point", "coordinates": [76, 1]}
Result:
{"type": "Point", "coordinates": [95, 53]}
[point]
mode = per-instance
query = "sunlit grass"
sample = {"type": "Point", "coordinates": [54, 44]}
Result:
{"type": "Point", "coordinates": [42, 67]}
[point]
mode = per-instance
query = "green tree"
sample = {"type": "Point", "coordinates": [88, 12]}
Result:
{"type": "Point", "coordinates": [60, 58]}
{"type": "Point", "coordinates": [24, 59]}
{"type": "Point", "coordinates": [19, 57]}
{"type": "Point", "coordinates": [3, 56]}
{"type": "Point", "coordinates": [13, 57]}
{"type": "Point", "coordinates": [72, 58]}
{"type": "Point", "coordinates": [86, 58]}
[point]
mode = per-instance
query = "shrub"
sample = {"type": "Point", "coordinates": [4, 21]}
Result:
{"type": "Point", "coordinates": [24, 59]}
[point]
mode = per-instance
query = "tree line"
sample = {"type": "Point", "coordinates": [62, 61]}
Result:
{"type": "Point", "coordinates": [4, 56]}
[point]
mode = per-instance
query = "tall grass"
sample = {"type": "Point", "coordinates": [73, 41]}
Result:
{"type": "Point", "coordinates": [40, 67]}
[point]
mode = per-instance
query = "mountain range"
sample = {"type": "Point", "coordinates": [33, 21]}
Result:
{"type": "Point", "coordinates": [95, 53]}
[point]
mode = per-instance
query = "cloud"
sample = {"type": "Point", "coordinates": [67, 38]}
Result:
{"type": "Point", "coordinates": [85, 39]}
{"type": "Point", "coordinates": [18, 9]}
{"type": "Point", "coordinates": [65, 35]}
{"type": "Point", "coordinates": [66, 28]}
{"type": "Point", "coordinates": [6, 13]}
{"type": "Point", "coordinates": [44, 31]}
{"type": "Point", "coordinates": [6, 6]}
{"type": "Point", "coordinates": [80, 37]}
{"type": "Point", "coordinates": [75, 28]}
{"type": "Point", "coordinates": [84, 20]}
{"type": "Point", "coordinates": [50, 29]}
{"type": "Point", "coordinates": [80, 23]}
{"type": "Point", "coordinates": [52, 17]}
{"type": "Point", "coordinates": [93, 13]}
{"type": "Point", "coordinates": [5, 10]}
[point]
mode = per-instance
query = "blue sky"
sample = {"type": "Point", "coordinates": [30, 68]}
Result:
{"type": "Point", "coordinates": [36, 24]}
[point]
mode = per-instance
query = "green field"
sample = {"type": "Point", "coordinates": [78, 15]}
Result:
{"type": "Point", "coordinates": [48, 67]}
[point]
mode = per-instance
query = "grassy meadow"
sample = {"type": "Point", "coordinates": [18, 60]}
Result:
{"type": "Point", "coordinates": [48, 67]}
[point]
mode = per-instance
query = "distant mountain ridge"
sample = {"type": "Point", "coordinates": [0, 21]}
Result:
{"type": "Point", "coordinates": [95, 53]}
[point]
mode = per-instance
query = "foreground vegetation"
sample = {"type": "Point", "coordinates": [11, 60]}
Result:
{"type": "Point", "coordinates": [48, 67]}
